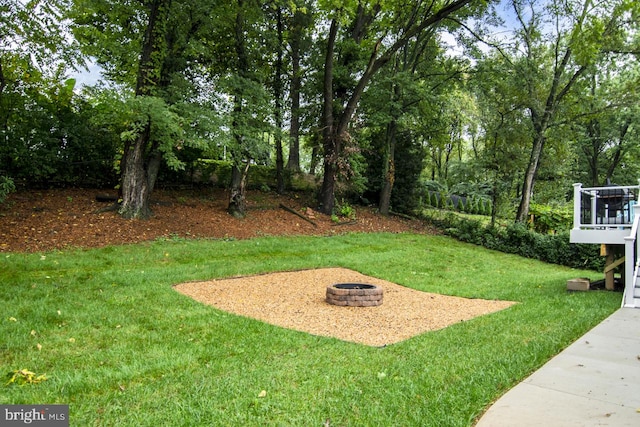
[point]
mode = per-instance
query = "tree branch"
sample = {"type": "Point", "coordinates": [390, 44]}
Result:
{"type": "Point", "coordinates": [479, 38]}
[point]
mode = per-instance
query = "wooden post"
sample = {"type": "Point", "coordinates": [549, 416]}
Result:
{"type": "Point", "coordinates": [609, 278]}
{"type": "Point", "coordinates": [610, 265]}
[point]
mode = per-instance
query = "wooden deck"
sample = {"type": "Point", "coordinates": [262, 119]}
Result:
{"type": "Point", "coordinates": [610, 216]}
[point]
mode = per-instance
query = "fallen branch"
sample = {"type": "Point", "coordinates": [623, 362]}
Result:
{"type": "Point", "coordinates": [288, 209]}
{"type": "Point", "coordinates": [113, 207]}
{"type": "Point", "coordinates": [351, 222]}
{"type": "Point", "coordinates": [103, 198]}
{"type": "Point", "coordinates": [401, 215]}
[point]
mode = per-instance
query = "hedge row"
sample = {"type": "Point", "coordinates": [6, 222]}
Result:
{"type": "Point", "coordinates": [517, 239]}
{"type": "Point", "coordinates": [471, 205]}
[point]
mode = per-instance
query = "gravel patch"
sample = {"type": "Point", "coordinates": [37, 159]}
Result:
{"type": "Point", "coordinates": [296, 300]}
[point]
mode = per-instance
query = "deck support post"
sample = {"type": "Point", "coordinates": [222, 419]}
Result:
{"type": "Point", "coordinates": [610, 264]}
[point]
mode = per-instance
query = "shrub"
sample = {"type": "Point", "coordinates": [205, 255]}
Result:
{"type": "Point", "coordinates": [345, 210]}
{"type": "Point", "coordinates": [546, 219]}
{"type": "Point", "coordinates": [518, 239]}
{"type": "Point", "coordinates": [6, 187]}
{"type": "Point", "coordinates": [462, 205]}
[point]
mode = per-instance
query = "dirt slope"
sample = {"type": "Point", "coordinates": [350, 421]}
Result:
{"type": "Point", "coordinates": [43, 220]}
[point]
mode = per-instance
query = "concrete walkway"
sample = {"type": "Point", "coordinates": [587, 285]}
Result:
{"type": "Point", "coordinates": [594, 382]}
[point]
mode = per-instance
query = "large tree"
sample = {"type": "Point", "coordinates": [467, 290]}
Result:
{"type": "Point", "coordinates": [608, 123]}
{"type": "Point", "coordinates": [500, 150]}
{"type": "Point", "coordinates": [554, 46]}
{"type": "Point", "coordinates": [146, 48]}
{"type": "Point", "coordinates": [251, 109]}
{"type": "Point", "coordinates": [142, 157]}
{"type": "Point", "coordinates": [414, 100]}
{"type": "Point", "coordinates": [357, 47]}
{"type": "Point", "coordinates": [299, 30]}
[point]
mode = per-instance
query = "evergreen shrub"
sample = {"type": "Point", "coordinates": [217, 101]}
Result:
{"type": "Point", "coordinates": [518, 239]}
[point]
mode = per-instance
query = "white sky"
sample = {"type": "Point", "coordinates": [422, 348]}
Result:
{"type": "Point", "coordinates": [88, 77]}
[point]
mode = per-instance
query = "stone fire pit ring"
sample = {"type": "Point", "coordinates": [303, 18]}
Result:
{"type": "Point", "coordinates": [354, 295]}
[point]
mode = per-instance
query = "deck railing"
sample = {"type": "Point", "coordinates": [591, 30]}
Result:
{"type": "Point", "coordinates": [631, 250]}
{"type": "Point", "coordinates": [604, 207]}
{"type": "Point", "coordinates": [610, 215]}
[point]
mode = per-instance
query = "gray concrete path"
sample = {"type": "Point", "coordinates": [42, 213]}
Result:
{"type": "Point", "coordinates": [594, 382]}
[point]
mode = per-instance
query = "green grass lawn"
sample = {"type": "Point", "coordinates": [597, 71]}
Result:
{"type": "Point", "coordinates": [122, 348]}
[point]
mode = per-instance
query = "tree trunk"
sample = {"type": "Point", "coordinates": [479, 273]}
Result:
{"type": "Point", "coordinates": [326, 198]}
{"type": "Point", "coordinates": [334, 130]}
{"type": "Point", "coordinates": [277, 94]}
{"type": "Point", "coordinates": [237, 199]}
{"type": "Point", "coordinates": [135, 182]}
{"type": "Point", "coordinates": [389, 169]}
{"type": "Point", "coordinates": [327, 191]}
{"type": "Point", "coordinates": [139, 164]}
{"type": "Point", "coordinates": [494, 202]}
{"type": "Point", "coordinates": [153, 48]}
{"type": "Point", "coordinates": [530, 177]}
{"type": "Point", "coordinates": [315, 159]}
{"type": "Point", "coordinates": [293, 163]}
{"type": "Point", "coordinates": [594, 151]}
{"type": "Point", "coordinates": [619, 150]}
{"type": "Point", "coordinates": [3, 80]}
{"type": "Point", "coordinates": [4, 116]}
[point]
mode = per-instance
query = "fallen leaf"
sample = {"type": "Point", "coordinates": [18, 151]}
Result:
{"type": "Point", "coordinates": [25, 376]}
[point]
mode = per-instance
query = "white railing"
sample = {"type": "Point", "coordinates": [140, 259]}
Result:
{"type": "Point", "coordinates": [610, 215]}
{"type": "Point", "coordinates": [631, 249]}
{"type": "Point", "coordinates": [604, 207]}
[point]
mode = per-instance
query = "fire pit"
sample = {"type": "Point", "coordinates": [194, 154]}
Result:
{"type": "Point", "coordinates": [354, 295]}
